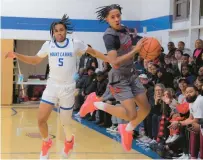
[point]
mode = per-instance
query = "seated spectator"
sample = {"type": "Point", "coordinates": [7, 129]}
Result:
{"type": "Point", "coordinates": [139, 65]}
{"type": "Point", "coordinates": [185, 60]}
{"type": "Point", "coordinates": [199, 83]}
{"type": "Point", "coordinates": [200, 71]}
{"type": "Point", "coordinates": [171, 49]}
{"type": "Point", "coordinates": [167, 64]}
{"type": "Point", "coordinates": [153, 71]}
{"type": "Point", "coordinates": [197, 54]}
{"type": "Point", "coordinates": [115, 120]}
{"type": "Point", "coordinates": [80, 77]}
{"type": "Point", "coordinates": [179, 113]}
{"type": "Point", "coordinates": [106, 67]}
{"type": "Point", "coordinates": [165, 78]}
{"type": "Point", "coordinates": [102, 82]}
{"type": "Point", "coordinates": [181, 46]}
{"type": "Point", "coordinates": [86, 61]}
{"type": "Point", "coordinates": [104, 119]}
{"type": "Point", "coordinates": [178, 56]}
{"type": "Point", "coordinates": [174, 69]}
{"type": "Point", "coordinates": [155, 113]}
{"type": "Point", "coordinates": [196, 113]}
{"type": "Point", "coordinates": [185, 72]}
{"type": "Point", "coordinates": [89, 86]}
{"type": "Point", "coordinates": [161, 57]}
{"type": "Point", "coordinates": [182, 85]}
{"type": "Point", "coordinates": [150, 95]}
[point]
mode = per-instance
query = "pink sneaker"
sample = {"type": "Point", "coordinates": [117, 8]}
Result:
{"type": "Point", "coordinates": [68, 147]}
{"type": "Point", "coordinates": [126, 137]}
{"type": "Point", "coordinates": [45, 149]}
{"type": "Point", "coordinates": [88, 106]}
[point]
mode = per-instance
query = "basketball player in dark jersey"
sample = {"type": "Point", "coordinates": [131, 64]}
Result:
{"type": "Point", "coordinates": [123, 82]}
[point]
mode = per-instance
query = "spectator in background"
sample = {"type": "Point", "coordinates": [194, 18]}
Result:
{"type": "Point", "coordinates": [181, 46]}
{"type": "Point", "coordinates": [167, 64]}
{"type": "Point", "coordinates": [105, 120]}
{"type": "Point", "coordinates": [162, 55]}
{"type": "Point", "coordinates": [157, 109]}
{"type": "Point", "coordinates": [150, 95]}
{"type": "Point", "coordinates": [185, 72]}
{"type": "Point", "coordinates": [90, 83]}
{"type": "Point", "coordinates": [101, 85]}
{"type": "Point", "coordinates": [200, 71]}
{"type": "Point", "coordinates": [196, 113]}
{"type": "Point", "coordinates": [197, 54]}
{"type": "Point", "coordinates": [178, 56]}
{"type": "Point", "coordinates": [174, 69]}
{"type": "Point", "coordinates": [165, 78]}
{"type": "Point", "coordinates": [153, 71]}
{"type": "Point", "coordinates": [171, 49]}
{"type": "Point", "coordinates": [133, 34]}
{"type": "Point", "coordinates": [87, 61]}
{"type": "Point", "coordinates": [106, 67]}
{"type": "Point", "coordinates": [185, 60]}
{"type": "Point", "coordinates": [78, 76]}
{"type": "Point", "coordinates": [182, 85]}
{"type": "Point", "coordinates": [199, 83]}
{"type": "Point", "coordinates": [89, 86]}
{"type": "Point", "coordinates": [102, 82]}
{"type": "Point", "coordinates": [139, 65]}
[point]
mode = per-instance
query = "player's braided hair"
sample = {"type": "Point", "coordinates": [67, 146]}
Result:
{"type": "Point", "coordinates": [103, 12]}
{"type": "Point", "coordinates": [64, 21]}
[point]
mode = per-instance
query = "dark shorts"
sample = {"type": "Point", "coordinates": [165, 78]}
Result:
{"type": "Point", "coordinates": [126, 88]}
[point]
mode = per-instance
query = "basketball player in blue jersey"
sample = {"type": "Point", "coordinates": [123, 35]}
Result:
{"type": "Point", "coordinates": [60, 87]}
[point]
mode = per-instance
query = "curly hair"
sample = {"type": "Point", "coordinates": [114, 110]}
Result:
{"type": "Point", "coordinates": [65, 21]}
{"type": "Point", "coordinates": [103, 12]}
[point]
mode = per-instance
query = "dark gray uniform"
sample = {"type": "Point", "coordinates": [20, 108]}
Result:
{"type": "Point", "coordinates": [124, 83]}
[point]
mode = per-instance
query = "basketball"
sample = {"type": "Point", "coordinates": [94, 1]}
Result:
{"type": "Point", "coordinates": [151, 49]}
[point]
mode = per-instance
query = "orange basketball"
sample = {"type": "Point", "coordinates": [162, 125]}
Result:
{"type": "Point", "coordinates": [151, 50]}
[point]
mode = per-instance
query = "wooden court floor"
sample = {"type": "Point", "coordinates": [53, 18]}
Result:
{"type": "Point", "coordinates": [20, 138]}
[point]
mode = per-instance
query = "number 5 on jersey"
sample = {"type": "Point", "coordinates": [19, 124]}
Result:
{"type": "Point", "coordinates": [60, 62]}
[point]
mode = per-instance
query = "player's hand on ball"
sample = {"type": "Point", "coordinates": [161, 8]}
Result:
{"type": "Point", "coordinates": [139, 45]}
{"type": "Point", "coordinates": [10, 55]}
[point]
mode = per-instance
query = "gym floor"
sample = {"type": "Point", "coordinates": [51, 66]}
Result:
{"type": "Point", "coordinates": [20, 138]}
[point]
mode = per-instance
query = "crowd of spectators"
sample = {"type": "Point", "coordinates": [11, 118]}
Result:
{"type": "Point", "coordinates": [174, 87]}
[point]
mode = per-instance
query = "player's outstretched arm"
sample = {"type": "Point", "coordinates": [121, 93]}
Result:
{"type": "Point", "coordinates": [97, 54]}
{"type": "Point", "coordinates": [112, 55]}
{"type": "Point", "coordinates": [27, 59]}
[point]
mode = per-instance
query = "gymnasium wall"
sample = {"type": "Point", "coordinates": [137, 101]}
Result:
{"type": "Point", "coordinates": [31, 22]}
{"type": "Point", "coordinates": [31, 48]}
{"type": "Point", "coordinates": [23, 19]}
{"type": "Point", "coordinates": [6, 72]}
{"type": "Point", "coordinates": [201, 33]}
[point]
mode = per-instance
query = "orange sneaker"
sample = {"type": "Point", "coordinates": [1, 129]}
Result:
{"type": "Point", "coordinates": [126, 137]}
{"type": "Point", "coordinates": [45, 149]}
{"type": "Point", "coordinates": [88, 106]}
{"type": "Point", "coordinates": [68, 146]}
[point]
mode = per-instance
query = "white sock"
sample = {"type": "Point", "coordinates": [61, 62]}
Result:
{"type": "Point", "coordinates": [100, 105]}
{"type": "Point", "coordinates": [67, 132]}
{"type": "Point", "coordinates": [129, 127]}
{"type": "Point", "coordinates": [46, 139]}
